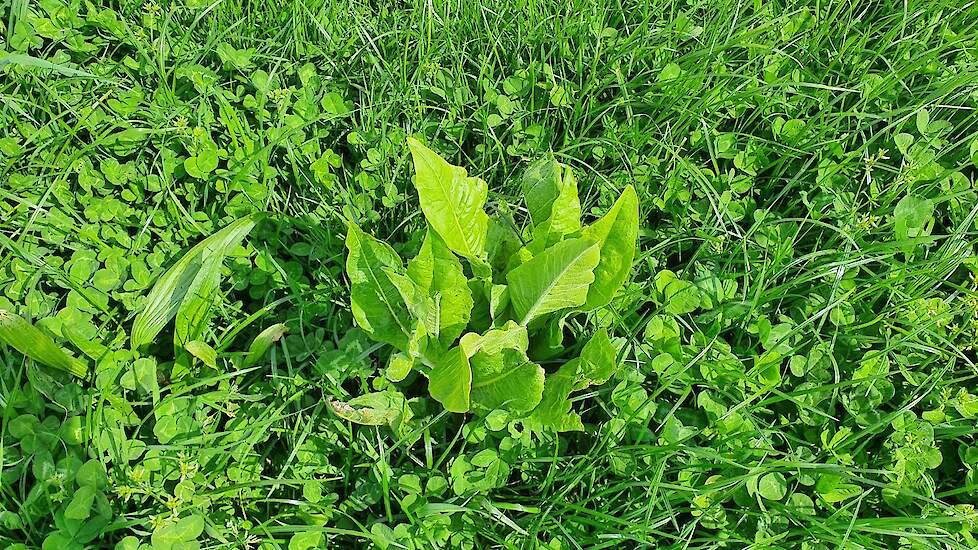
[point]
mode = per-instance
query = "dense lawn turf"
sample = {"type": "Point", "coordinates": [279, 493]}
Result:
{"type": "Point", "coordinates": [795, 342]}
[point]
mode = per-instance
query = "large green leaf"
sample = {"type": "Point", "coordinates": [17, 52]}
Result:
{"type": "Point", "coordinates": [550, 191]}
{"type": "Point", "coordinates": [502, 375]}
{"type": "Point", "coordinates": [540, 187]}
{"type": "Point", "coordinates": [437, 271]}
{"type": "Point", "coordinates": [554, 411]}
{"type": "Point", "coordinates": [511, 336]}
{"type": "Point", "coordinates": [616, 234]}
{"type": "Point", "coordinates": [377, 305]}
{"type": "Point", "coordinates": [506, 380]}
{"type": "Point", "coordinates": [452, 202]}
{"type": "Point", "coordinates": [24, 337]}
{"type": "Point", "coordinates": [599, 360]}
{"type": "Point", "coordinates": [502, 243]}
{"type": "Point", "coordinates": [555, 279]}
{"type": "Point", "coordinates": [595, 366]}
{"type": "Point", "coordinates": [195, 271]}
{"type": "Point", "coordinates": [450, 380]}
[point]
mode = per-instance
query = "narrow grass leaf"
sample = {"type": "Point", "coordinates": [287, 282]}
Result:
{"type": "Point", "coordinates": [24, 337]}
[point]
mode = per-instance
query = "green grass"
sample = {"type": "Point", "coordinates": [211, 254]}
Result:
{"type": "Point", "coordinates": [799, 328]}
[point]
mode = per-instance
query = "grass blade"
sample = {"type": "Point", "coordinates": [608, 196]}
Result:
{"type": "Point", "coordinates": [24, 337]}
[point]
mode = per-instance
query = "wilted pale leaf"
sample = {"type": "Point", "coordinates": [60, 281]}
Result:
{"type": "Point", "coordinates": [511, 335]}
{"type": "Point", "coordinates": [372, 409]}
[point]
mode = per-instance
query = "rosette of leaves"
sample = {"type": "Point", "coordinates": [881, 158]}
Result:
{"type": "Point", "coordinates": [484, 303]}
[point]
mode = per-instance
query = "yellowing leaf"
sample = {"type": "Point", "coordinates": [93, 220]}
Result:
{"type": "Point", "coordinates": [452, 201]}
{"type": "Point", "coordinates": [372, 409]}
{"type": "Point", "coordinates": [24, 337]}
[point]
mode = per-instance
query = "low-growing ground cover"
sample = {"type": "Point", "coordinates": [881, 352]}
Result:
{"type": "Point", "coordinates": [289, 335]}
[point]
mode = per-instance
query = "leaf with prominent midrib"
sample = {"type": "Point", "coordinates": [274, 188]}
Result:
{"type": "Point", "coordinates": [555, 279]}
{"type": "Point", "coordinates": [502, 375]}
{"type": "Point", "coordinates": [452, 201]}
{"type": "Point", "coordinates": [375, 300]}
{"type": "Point", "coordinates": [196, 274]}
{"type": "Point", "coordinates": [616, 234]}
{"type": "Point", "coordinates": [421, 306]}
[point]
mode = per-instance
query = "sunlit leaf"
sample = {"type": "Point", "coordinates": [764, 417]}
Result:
{"type": "Point", "coordinates": [555, 279]}
{"type": "Point", "coordinates": [616, 234]}
{"type": "Point", "coordinates": [24, 337]}
{"type": "Point", "coordinates": [439, 273]}
{"type": "Point", "coordinates": [261, 344]}
{"type": "Point", "coordinates": [450, 380]}
{"type": "Point", "coordinates": [194, 271]}
{"type": "Point", "coordinates": [452, 201]}
{"type": "Point", "coordinates": [375, 300]}
{"type": "Point", "coordinates": [550, 191]}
